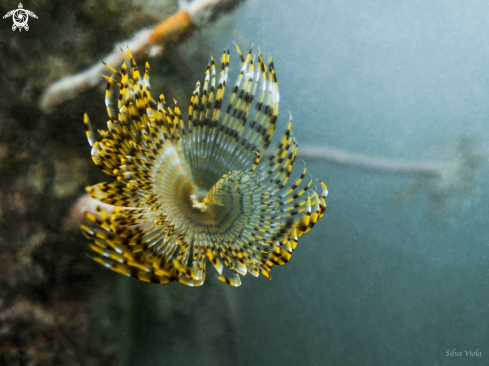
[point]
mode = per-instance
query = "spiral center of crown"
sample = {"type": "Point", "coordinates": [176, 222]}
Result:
{"type": "Point", "coordinates": [204, 200]}
{"type": "Point", "coordinates": [199, 202]}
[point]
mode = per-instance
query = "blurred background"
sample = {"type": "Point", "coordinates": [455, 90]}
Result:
{"type": "Point", "coordinates": [396, 273]}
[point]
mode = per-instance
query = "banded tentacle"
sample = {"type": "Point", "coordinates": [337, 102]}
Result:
{"type": "Point", "coordinates": [201, 188]}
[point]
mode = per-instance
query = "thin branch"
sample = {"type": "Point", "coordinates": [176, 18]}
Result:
{"type": "Point", "coordinates": [191, 16]}
{"type": "Point", "coordinates": [341, 157]}
{"type": "Point", "coordinates": [447, 182]}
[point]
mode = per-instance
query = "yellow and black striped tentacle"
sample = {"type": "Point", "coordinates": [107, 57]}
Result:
{"type": "Point", "coordinates": [225, 145]}
{"type": "Point", "coordinates": [261, 72]}
{"type": "Point", "coordinates": [231, 280]}
{"type": "Point", "coordinates": [112, 83]}
{"type": "Point", "coordinates": [193, 128]}
{"type": "Point", "coordinates": [322, 198]}
{"type": "Point", "coordinates": [204, 112]}
{"type": "Point", "coordinates": [287, 237]}
{"type": "Point", "coordinates": [210, 126]}
{"type": "Point", "coordinates": [291, 204]}
{"type": "Point", "coordinates": [118, 259]}
{"type": "Point", "coordinates": [263, 126]}
{"type": "Point", "coordinates": [196, 129]}
{"type": "Point", "coordinates": [310, 216]}
{"type": "Point", "coordinates": [136, 184]}
{"type": "Point", "coordinates": [226, 133]}
{"type": "Point", "coordinates": [213, 112]}
{"type": "Point", "coordinates": [234, 137]}
{"type": "Point", "coordinates": [216, 113]}
{"type": "Point", "coordinates": [187, 191]}
{"type": "Point", "coordinates": [225, 128]}
{"type": "Point", "coordinates": [242, 145]}
{"type": "Point", "coordinates": [209, 106]}
{"type": "Point", "coordinates": [253, 231]}
{"type": "Point", "coordinates": [239, 115]}
{"type": "Point", "coordinates": [89, 130]}
{"type": "Point", "coordinates": [133, 164]}
{"type": "Point", "coordinates": [278, 167]}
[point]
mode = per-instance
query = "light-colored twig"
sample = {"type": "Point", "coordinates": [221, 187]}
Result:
{"type": "Point", "coordinates": [192, 15]}
{"type": "Point", "coordinates": [447, 182]}
{"type": "Point", "coordinates": [341, 157]}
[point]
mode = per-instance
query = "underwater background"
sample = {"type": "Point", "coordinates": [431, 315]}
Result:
{"type": "Point", "coordinates": [396, 273]}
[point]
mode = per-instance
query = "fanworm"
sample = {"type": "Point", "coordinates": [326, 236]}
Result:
{"type": "Point", "coordinates": [188, 191]}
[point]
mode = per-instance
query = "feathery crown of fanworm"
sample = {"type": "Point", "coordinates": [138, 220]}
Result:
{"type": "Point", "coordinates": [187, 191]}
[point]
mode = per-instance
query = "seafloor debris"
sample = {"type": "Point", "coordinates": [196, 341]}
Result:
{"type": "Point", "coordinates": [32, 333]}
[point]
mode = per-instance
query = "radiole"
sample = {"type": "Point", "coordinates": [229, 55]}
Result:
{"type": "Point", "coordinates": [203, 188]}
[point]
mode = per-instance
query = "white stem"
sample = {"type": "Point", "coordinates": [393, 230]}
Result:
{"type": "Point", "coordinates": [370, 163]}
{"type": "Point", "coordinates": [201, 12]}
